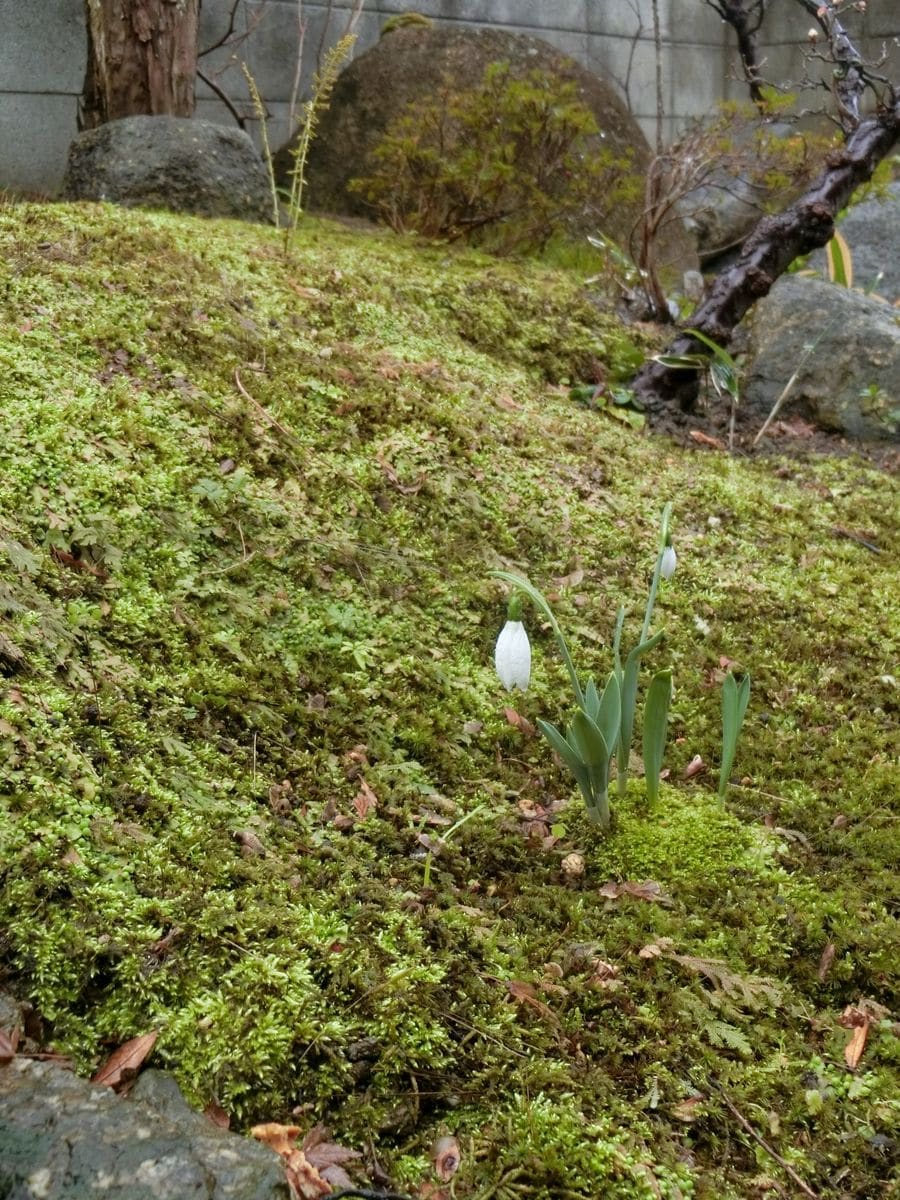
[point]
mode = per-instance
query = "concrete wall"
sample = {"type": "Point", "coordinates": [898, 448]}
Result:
{"type": "Point", "coordinates": [43, 50]}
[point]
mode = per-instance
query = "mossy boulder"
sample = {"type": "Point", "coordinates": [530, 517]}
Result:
{"type": "Point", "coordinates": [409, 65]}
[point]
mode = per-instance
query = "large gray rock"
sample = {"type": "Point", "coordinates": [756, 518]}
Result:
{"type": "Point", "coordinates": [170, 162]}
{"type": "Point", "coordinates": [62, 1138]}
{"type": "Point", "coordinates": [409, 66]}
{"type": "Point", "coordinates": [850, 381]}
{"type": "Point", "coordinates": [872, 231]}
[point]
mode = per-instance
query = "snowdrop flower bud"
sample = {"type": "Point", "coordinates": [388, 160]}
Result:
{"type": "Point", "coordinates": [512, 655]}
{"type": "Point", "coordinates": [669, 562]}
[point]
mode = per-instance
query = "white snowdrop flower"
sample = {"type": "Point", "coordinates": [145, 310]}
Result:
{"type": "Point", "coordinates": [669, 562]}
{"type": "Point", "coordinates": [512, 656]}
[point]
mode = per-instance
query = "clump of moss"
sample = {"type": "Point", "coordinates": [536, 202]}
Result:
{"type": "Point", "coordinates": [248, 507]}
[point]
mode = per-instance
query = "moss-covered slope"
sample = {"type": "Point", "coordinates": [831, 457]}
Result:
{"type": "Point", "coordinates": [248, 510]}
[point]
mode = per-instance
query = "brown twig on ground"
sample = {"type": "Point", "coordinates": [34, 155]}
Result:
{"type": "Point", "coordinates": [770, 1150]}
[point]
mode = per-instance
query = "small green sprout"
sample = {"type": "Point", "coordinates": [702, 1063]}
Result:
{"type": "Point", "coordinates": [734, 705]}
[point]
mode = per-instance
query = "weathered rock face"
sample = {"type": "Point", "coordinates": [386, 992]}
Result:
{"type": "Point", "coordinates": [409, 65]}
{"type": "Point", "coordinates": [872, 231]}
{"type": "Point", "coordinates": [62, 1138]}
{"type": "Point", "coordinates": [170, 162]}
{"type": "Point", "coordinates": [851, 381]}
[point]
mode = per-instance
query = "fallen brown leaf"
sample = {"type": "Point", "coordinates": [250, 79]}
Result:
{"type": "Point", "coordinates": [524, 993]}
{"type": "Point", "coordinates": [218, 1116]}
{"type": "Point", "coordinates": [123, 1064]}
{"type": "Point", "coordinates": [65, 559]}
{"type": "Point", "coordinates": [649, 890]}
{"type": "Point", "coordinates": [506, 402]}
{"type": "Point", "coordinates": [602, 974]}
{"type": "Point", "coordinates": [302, 1177]}
{"type": "Point", "coordinates": [858, 1019]}
{"type": "Point", "coordinates": [571, 580]}
{"type": "Point", "coordinates": [327, 1157]}
{"type": "Point", "coordinates": [656, 949]}
{"type": "Point", "coordinates": [703, 439]}
{"type": "Point", "coordinates": [825, 962]}
{"type": "Point", "coordinates": [446, 1157]}
{"type": "Point", "coordinates": [365, 800]}
{"type": "Point", "coordinates": [250, 844]}
{"type": "Point", "coordinates": [519, 722]}
{"type": "Point", "coordinates": [853, 1051]}
{"type": "Point", "coordinates": [686, 1110]}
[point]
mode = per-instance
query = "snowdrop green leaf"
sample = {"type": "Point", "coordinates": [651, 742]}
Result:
{"type": "Point", "coordinates": [656, 713]}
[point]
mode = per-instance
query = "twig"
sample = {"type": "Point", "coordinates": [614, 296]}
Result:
{"type": "Point", "coordinates": [223, 96]}
{"type": "Point", "coordinates": [369, 1194]}
{"type": "Point", "coordinates": [776, 407]}
{"type": "Point", "coordinates": [264, 411]}
{"type": "Point", "coordinates": [840, 531]}
{"type": "Point", "coordinates": [745, 1124]}
{"type": "Point", "coordinates": [226, 36]}
{"type": "Point", "coordinates": [298, 69]}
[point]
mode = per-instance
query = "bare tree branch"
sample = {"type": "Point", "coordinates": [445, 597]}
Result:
{"type": "Point", "coordinates": [745, 17]}
{"type": "Point", "coordinates": [777, 240]}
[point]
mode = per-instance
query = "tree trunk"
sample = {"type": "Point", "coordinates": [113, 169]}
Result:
{"type": "Point", "coordinates": [771, 248]}
{"type": "Point", "coordinates": [142, 59]}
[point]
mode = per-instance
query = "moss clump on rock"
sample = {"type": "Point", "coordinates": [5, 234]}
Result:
{"type": "Point", "coordinates": [248, 507]}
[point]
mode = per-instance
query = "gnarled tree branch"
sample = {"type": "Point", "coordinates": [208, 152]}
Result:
{"type": "Point", "coordinates": [774, 244]}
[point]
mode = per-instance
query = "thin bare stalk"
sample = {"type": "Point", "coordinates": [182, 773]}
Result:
{"type": "Point", "coordinates": [298, 67]}
{"type": "Point", "coordinates": [260, 109]}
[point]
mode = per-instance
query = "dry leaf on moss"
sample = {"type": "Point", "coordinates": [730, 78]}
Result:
{"type": "Point", "coordinates": [315, 1166]}
{"type": "Point", "coordinates": [302, 1177]}
{"type": "Point", "coordinates": [123, 1064]}
{"type": "Point", "coordinates": [519, 722]}
{"type": "Point", "coordinates": [525, 994]}
{"type": "Point", "coordinates": [218, 1116]}
{"type": "Point", "coordinates": [649, 890]}
{"type": "Point", "coordinates": [365, 800]}
{"type": "Point", "coordinates": [858, 1019]}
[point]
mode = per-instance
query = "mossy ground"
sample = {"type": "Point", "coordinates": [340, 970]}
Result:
{"type": "Point", "coordinates": [248, 510]}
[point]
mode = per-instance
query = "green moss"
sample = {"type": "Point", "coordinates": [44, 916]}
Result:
{"type": "Point", "coordinates": [248, 508]}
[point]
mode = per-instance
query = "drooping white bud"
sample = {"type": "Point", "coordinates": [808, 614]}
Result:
{"type": "Point", "coordinates": [512, 656]}
{"type": "Point", "coordinates": [668, 563]}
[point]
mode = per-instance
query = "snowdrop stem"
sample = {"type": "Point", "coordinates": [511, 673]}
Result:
{"type": "Point", "coordinates": [518, 581]}
{"type": "Point", "coordinates": [654, 583]}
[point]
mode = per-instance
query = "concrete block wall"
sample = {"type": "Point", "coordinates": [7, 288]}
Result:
{"type": "Point", "coordinates": [43, 52]}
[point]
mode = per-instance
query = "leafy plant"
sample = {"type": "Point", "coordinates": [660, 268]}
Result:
{"type": "Point", "coordinates": [722, 369]}
{"type": "Point", "coordinates": [603, 723]}
{"type": "Point", "coordinates": [506, 164]}
{"type": "Point", "coordinates": [734, 705]}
